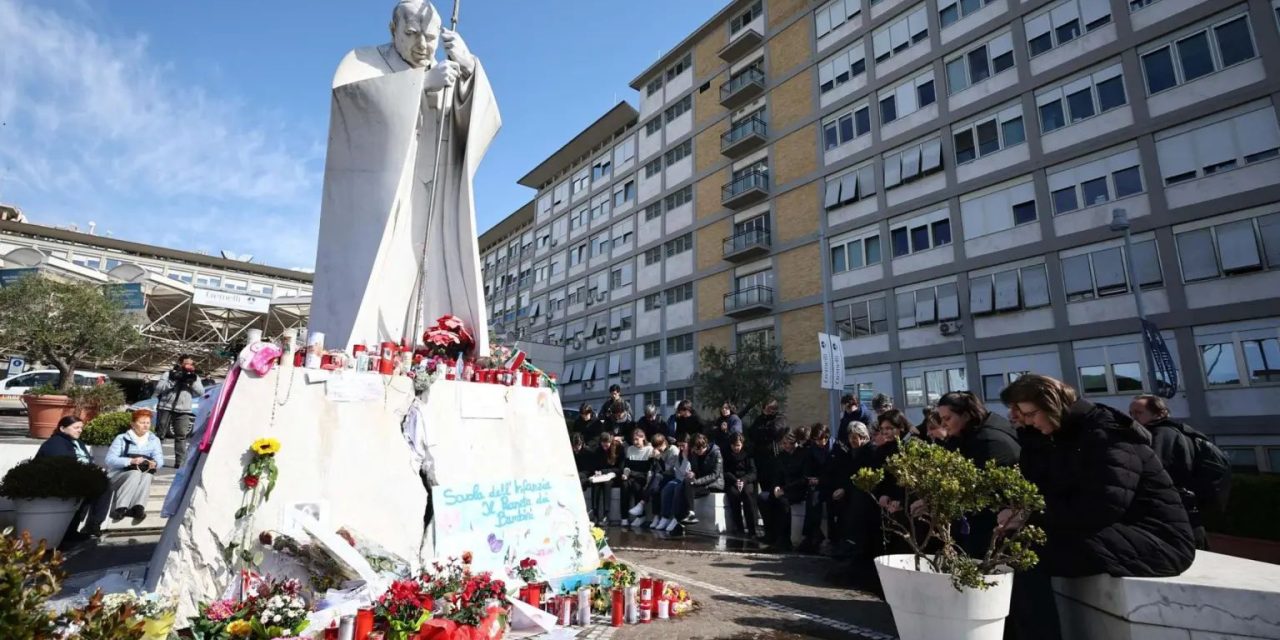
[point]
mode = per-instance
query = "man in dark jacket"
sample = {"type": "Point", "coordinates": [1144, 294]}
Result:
{"type": "Point", "coordinates": [789, 487]}
{"type": "Point", "coordinates": [816, 456]}
{"type": "Point", "coordinates": [615, 402]}
{"type": "Point", "coordinates": [764, 439]}
{"type": "Point", "coordinates": [740, 486]}
{"type": "Point", "coordinates": [853, 412]}
{"type": "Point", "coordinates": [1176, 451]}
{"type": "Point", "coordinates": [687, 421]}
{"type": "Point", "coordinates": [706, 474]}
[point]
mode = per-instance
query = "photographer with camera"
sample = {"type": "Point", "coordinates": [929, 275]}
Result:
{"type": "Point", "coordinates": [174, 392]}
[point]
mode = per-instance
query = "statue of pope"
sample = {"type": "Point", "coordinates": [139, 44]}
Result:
{"type": "Point", "coordinates": [380, 203]}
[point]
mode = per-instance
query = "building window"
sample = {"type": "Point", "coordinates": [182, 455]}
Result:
{"type": "Point", "coordinates": [601, 169]}
{"type": "Point", "coordinates": [680, 344]}
{"type": "Point", "coordinates": [928, 388]}
{"type": "Point", "coordinates": [859, 318]}
{"type": "Point", "coordinates": [1111, 178]}
{"type": "Point", "coordinates": [740, 21]}
{"type": "Point", "coordinates": [679, 245]}
{"type": "Point", "coordinates": [1111, 379]}
{"type": "Point", "coordinates": [999, 210]}
{"type": "Point", "coordinates": [679, 108]}
{"type": "Point", "coordinates": [679, 152]}
{"type": "Point", "coordinates": [832, 15]}
{"type": "Point", "coordinates": [1065, 22]}
{"type": "Point", "coordinates": [921, 234]}
{"type": "Point", "coordinates": [984, 61]}
{"type": "Point", "coordinates": [760, 337]}
{"type": "Point", "coordinates": [843, 67]}
{"type": "Point", "coordinates": [1011, 290]}
{"type": "Point", "coordinates": [844, 127]}
{"type": "Point", "coordinates": [679, 293]}
{"type": "Point", "coordinates": [1102, 272]}
{"type": "Point", "coordinates": [682, 65]}
{"type": "Point", "coordinates": [892, 39]}
{"type": "Point", "coordinates": [1224, 145]}
{"type": "Point", "coordinates": [581, 181]}
{"type": "Point", "coordinates": [1212, 49]}
{"type": "Point", "coordinates": [653, 211]}
{"type": "Point", "coordinates": [847, 255]}
{"type": "Point", "coordinates": [912, 163]}
{"type": "Point", "coordinates": [994, 383]}
{"type": "Point", "coordinates": [652, 256]}
{"type": "Point", "coordinates": [185, 276]}
{"type": "Point", "coordinates": [1081, 99]}
{"type": "Point", "coordinates": [652, 301]}
{"type": "Point", "coordinates": [907, 98]}
{"type": "Point", "coordinates": [652, 350]}
{"type": "Point", "coordinates": [653, 126]}
{"type": "Point", "coordinates": [654, 86]}
{"type": "Point", "coordinates": [928, 305]}
{"type": "Point", "coordinates": [600, 245]}
{"type": "Point", "coordinates": [679, 198]}
{"type": "Point", "coordinates": [1231, 248]}
{"type": "Point", "coordinates": [852, 186]}
{"type": "Point", "coordinates": [951, 11]}
{"type": "Point", "coordinates": [624, 194]}
{"type": "Point", "coordinates": [577, 255]}
{"type": "Point", "coordinates": [600, 207]}
{"type": "Point", "coordinates": [653, 167]}
{"type": "Point", "coordinates": [989, 134]}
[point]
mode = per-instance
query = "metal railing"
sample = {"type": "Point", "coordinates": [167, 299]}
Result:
{"type": "Point", "coordinates": [756, 179]}
{"type": "Point", "coordinates": [755, 125]}
{"type": "Point", "coordinates": [755, 296]}
{"type": "Point", "coordinates": [735, 84]}
{"type": "Point", "coordinates": [747, 239]}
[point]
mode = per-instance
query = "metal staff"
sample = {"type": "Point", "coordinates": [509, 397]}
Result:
{"type": "Point", "coordinates": [411, 331]}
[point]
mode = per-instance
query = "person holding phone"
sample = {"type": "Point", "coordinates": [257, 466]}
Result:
{"type": "Point", "coordinates": [132, 461]}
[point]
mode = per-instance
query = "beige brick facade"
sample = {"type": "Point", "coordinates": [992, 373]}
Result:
{"type": "Point", "coordinates": [706, 147]}
{"type": "Point", "coordinates": [789, 49]}
{"type": "Point", "coordinates": [709, 243]}
{"type": "Point", "coordinates": [807, 401]}
{"type": "Point", "coordinates": [792, 101]}
{"type": "Point", "coordinates": [795, 156]}
{"type": "Point", "coordinates": [780, 10]}
{"type": "Point", "coordinates": [707, 194]}
{"type": "Point", "coordinates": [710, 293]}
{"type": "Point", "coordinates": [719, 337]}
{"type": "Point", "coordinates": [795, 213]}
{"type": "Point", "coordinates": [800, 329]}
{"type": "Point", "coordinates": [706, 104]}
{"type": "Point", "coordinates": [706, 53]}
{"type": "Point", "coordinates": [799, 273]}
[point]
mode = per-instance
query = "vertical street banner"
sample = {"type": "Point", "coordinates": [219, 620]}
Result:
{"type": "Point", "coordinates": [824, 352]}
{"type": "Point", "coordinates": [837, 361]}
{"type": "Point", "coordinates": [1166, 372]}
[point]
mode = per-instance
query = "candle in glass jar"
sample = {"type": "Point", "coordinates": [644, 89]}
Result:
{"type": "Point", "coordinates": [619, 607]}
{"type": "Point", "coordinates": [664, 608]}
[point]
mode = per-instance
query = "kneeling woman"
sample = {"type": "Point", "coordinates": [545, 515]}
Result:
{"type": "Point", "coordinates": [132, 460]}
{"type": "Point", "coordinates": [1110, 507]}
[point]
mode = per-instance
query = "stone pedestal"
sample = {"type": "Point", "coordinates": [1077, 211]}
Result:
{"type": "Point", "coordinates": [1219, 597]}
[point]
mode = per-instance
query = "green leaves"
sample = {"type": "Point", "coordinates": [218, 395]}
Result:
{"type": "Point", "coordinates": [54, 478]}
{"type": "Point", "coordinates": [748, 377]}
{"type": "Point", "coordinates": [947, 487]}
{"type": "Point", "coordinates": [27, 581]}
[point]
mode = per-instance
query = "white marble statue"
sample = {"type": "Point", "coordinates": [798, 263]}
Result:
{"type": "Point", "coordinates": [378, 192]}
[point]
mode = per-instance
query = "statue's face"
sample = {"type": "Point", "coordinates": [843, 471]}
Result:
{"type": "Point", "coordinates": [415, 33]}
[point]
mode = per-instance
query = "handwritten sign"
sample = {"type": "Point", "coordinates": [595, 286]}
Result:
{"type": "Point", "coordinates": [505, 521]}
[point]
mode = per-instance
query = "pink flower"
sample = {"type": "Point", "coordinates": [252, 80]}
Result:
{"type": "Point", "coordinates": [220, 610]}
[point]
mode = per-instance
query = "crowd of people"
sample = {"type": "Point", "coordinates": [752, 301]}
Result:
{"type": "Point", "coordinates": [1123, 492]}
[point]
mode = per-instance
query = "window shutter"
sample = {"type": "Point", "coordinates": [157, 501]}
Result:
{"type": "Point", "coordinates": [1257, 131]}
{"type": "Point", "coordinates": [1176, 155]}
{"type": "Point", "coordinates": [980, 299]}
{"type": "Point", "coordinates": [931, 155]}
{"type": "Point", "coordinates": [849, 187]}
{"type": "Point", "coordinates": [1238, 246]}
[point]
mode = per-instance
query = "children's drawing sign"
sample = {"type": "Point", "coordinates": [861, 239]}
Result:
{"type": "Point", "coordinates": [504, 521]}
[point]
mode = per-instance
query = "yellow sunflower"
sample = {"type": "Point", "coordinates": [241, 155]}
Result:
{"type": "Point", "coordinates": [265, 446]}
{"type": "Point", "coordinates": [240, 628]}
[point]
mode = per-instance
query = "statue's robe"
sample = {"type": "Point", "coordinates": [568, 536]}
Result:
{"type": "Point", "coordinates": [378, 203]}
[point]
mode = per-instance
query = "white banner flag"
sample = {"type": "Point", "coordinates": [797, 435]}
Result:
{"type": "Point", "coordinates": [837, 362]}
{"type": "Point", "coordinates": [824, 351]}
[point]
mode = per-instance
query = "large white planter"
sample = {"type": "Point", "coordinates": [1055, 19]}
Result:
{"type": "Point", "coordinates": [46, 518]}
{"type": "Point", "coordinates": [926, 606]}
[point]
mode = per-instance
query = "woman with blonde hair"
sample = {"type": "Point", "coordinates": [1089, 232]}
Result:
{"type": "Point", "coordinates": [1110, 507]}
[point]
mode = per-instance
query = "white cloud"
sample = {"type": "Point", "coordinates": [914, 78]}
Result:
{"type": "Point", "coordinates": [95, 127]}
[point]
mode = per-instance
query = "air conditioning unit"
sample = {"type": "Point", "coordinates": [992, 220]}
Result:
{"type": "Point", "coordinates": [555, 243]}
{"type": "Point", "coordinates": [600, 339]}
{"type": "Point", "coordinates": [600, 297]}
{"type": "Point", "coordinates": [950, 328]}
{"type": "Point", "coordinates": [589, 384]}
{"type": "Point", "coordinates": [590, 301]}
{"type": "Point", "coordinates": [626, 378]}
{"type": "Point", "coordinates": [555, 342]}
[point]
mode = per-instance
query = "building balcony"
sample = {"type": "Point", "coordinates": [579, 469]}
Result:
{"type": "Point", "coordinates": [749, 301]}
{"type": "Point", "coordinates": [742, 88]}
{"type": "Point", "coordinates": [744, 136]}
{"type": "Point", "coordinates": [746, 190]}
{"type": "Point", "coordinates": [740, 44]}
{"type": "Point", "coordinates": [747, 244]}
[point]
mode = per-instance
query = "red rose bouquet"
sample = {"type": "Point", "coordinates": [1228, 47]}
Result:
{"type": "Point", "coordinates": [404, 607]}
{"type": "Point", "coordinates": [528, 570]}
{"type": "Point", "coordinates": [449, 336]}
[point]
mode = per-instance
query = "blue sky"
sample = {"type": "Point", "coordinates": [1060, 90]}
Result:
{"type": "Point", "coordinates": [202, 124]}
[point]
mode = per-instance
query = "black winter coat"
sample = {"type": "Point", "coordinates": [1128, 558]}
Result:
{"type": "Point", "coordinates": [739, 466]}
{"type": "Point", "coordinates": [708, 469]}
{"type": "Point", "coordinates": [652, 427]}
{"type": "Point", "coordinates": [691, 425]}
{"type": "Point", "coordinates": [61, 445]}
{"type": "Point", "coordinates": [842, 466]}
{"type": "Point", "coordinates": [1176, 451]}
{"type": "Point", "coordinates": [764, 439]}
{"type": "Point", "coordinates": [994, 439]}
{"type": "Point", "coordinates": [789, 474]}
{"type": "Point", "coordinates": [1110, 507]}
{"type": "Point", "coordinates": [590, 431]}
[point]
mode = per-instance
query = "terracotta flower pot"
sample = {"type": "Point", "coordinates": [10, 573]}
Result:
{"type": "Point", "coordinates": [44, 412]}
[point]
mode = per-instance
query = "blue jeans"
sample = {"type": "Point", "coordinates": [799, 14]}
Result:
{"type": "Point", "coordinates": [673, 499]}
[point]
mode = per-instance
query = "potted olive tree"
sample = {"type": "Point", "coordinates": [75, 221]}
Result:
{"type": "Point", "coordinates": [47, 491]}
{"type": "Point", "coordinates": [938, 591]}
{"type": "Point", "coordinates": [64, 325]}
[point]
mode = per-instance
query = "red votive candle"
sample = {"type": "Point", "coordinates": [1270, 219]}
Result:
{"type": "Point", "coordinates": [619, 607]}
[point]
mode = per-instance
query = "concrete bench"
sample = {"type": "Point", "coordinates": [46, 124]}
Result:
{"type": "Point", "coordinates": [712, 511]}
{"type": "Point", "coordinates": [1220, 598]}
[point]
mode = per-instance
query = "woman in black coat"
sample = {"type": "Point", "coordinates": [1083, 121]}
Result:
{"type": "Point", "coordinates": [980, 436]}
{"type": "Point", "coordinates": [687, 420]}
{"type": "Point", "coordinates": [65, 443]}
{"type": "Point", "coordinates": [588, 425]}
{"type": "Point", "coordinates": [706, 474]}
{"type": "Point", "coordinates": [740, 485]}
{"type": "Point", "coordinates": [1110, 507]}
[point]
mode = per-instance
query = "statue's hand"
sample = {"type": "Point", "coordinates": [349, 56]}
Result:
{"type": "Point", "coordinates": [457, 50]}
{"type": "Point", "coordinates": [442, 75]}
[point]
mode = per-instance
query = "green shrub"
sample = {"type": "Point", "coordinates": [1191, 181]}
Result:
{"type": "Point", "coordinates": [107, 395]}
{"type": "Point", "coordinates": [53, 478]}
{"type": "Point", "coordinates": [102, 430]}
{"type": "Point", "coordinates": [1251, 511]}
{"type": "Point", "coordinates": [27, 581]}
{"type": "Point", "coordinates": [44, 390]}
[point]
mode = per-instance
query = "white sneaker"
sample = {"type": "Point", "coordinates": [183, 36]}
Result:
{"type": "Point", "coordinates": [653, 524]}
{"type": "Point", "coordinates": [662, 524]}
{"type": "Point", "coordinates": [672, 526]}
{"type": "Point", "coordinates": [637, 511]}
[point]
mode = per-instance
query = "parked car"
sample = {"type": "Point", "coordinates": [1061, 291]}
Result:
{"type": "Point", "coordinates": [14, 387]}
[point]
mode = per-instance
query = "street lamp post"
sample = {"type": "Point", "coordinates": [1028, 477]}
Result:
{"type": "Point", "coordinates": [1120, 222]}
